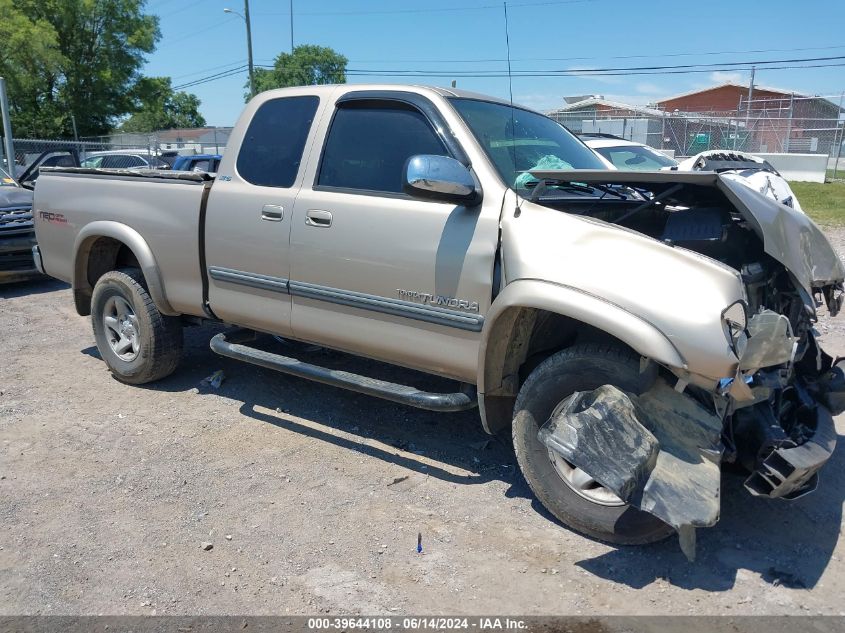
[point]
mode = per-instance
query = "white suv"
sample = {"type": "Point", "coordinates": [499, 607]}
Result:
{"type": "Point", "coordinates": [755, 172]}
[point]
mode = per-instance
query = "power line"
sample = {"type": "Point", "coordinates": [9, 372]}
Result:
{"type": "Point", "coordinates": [214, 77]}
{"type": "Point", "coordinates": [572, 59]}
{"type": "Point", "coordinates": [182, 8]}
{"type": "Point", "coordinates": [499, 74]}
{"type": "Point", "coordinates": [211, 27]}
{"type": "Point", "coordinates": [605, 71]}
{"type": "Point", "coordinates": [205, 70]}
{"type": "Point", "coordinates": [482, 7]}
{"type": "Point", "coordinates": [781, 64]}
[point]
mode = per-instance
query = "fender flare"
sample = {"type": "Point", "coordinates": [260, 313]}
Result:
{"type": "Point", "coordinates": [500, 322]}
{"type": "Point", "coordinates": [136, 243]}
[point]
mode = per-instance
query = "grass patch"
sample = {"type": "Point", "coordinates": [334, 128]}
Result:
{"type": "Point", "coordinates": [825, 203]}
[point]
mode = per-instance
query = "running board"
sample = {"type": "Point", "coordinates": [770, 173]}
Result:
{"type": "Point", "coordinates": [230, 344]}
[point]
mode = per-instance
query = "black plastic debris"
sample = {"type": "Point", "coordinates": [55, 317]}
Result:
{"type": "Point", "coordinates": [659, 451]}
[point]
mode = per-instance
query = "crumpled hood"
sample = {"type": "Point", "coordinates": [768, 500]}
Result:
{"type": "Point", "coordinates": [15, 197]}
{"type": "Point", "coordinates": [789, 236]}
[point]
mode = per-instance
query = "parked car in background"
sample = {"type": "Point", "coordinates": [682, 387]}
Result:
{"type": "Point", "coordinates": [17, 233]}
{"type": "Point", "coordinates": [169, 156]}
{"type": "Point", "coordinates": [198, 162]}
{"type": "Point", "coordinates": [756, 172]}
{"type": "Point", "coordinates": [123, 159]}
{"type": "Point", "coordinates": [624, 154]}
{"type": "Point", "coordinates": [56, 157]}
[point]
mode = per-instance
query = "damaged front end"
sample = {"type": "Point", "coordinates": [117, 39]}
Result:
{"type": "Point", "coordinates": [660, 451]}
{"type": "Point", "coordinates": [782, 402]}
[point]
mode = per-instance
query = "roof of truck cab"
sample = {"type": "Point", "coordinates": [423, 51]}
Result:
{"type": "Point", "coordinates": [329, 89]}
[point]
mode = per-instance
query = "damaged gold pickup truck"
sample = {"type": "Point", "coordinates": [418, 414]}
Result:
{"type": "Point", "coordinates": [632, 330]}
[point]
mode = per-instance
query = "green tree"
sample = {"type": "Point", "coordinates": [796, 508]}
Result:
{"type": "Point", "coordinates": [85, 61]}
{"type": "Point", "coordinates": [158, 107]}
{"type": "Point", "coordinates": [308, 65]}
{"type": "Point", "coordinates": [29, 59]}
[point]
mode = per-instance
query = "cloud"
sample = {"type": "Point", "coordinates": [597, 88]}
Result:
{"type": "Point", "coordinates": [648, 88]}
{"type": "Point", "coordinates": [721, 77]}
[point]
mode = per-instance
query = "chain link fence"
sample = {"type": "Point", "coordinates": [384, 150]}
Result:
{"type": "Point", "coordinates": [163, 144]}
{"type": "Point", "coordinates": [798, 125]}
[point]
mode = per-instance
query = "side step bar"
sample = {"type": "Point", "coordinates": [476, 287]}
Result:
{"type": "Point", "coordinates": [230, 344]}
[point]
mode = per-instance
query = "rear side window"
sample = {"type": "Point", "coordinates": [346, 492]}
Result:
{"type": "Point", "coordinates": [118, 161]}
{"type": "Point", "coordinates": [94, 161]}
{"type": "Point", "coordinates": [272, 147]}
{"type": "Point", "coordinates": [368, 145]}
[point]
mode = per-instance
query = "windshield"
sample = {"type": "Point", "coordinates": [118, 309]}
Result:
{"type": "Point", "coordinates": [518, 140]}
{"type": "Point", "coordinates": [5, 179]}
{"type": "Point", "coordinates": [636, 157]}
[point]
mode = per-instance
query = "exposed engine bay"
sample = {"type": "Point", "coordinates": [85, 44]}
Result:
{"type": "Point", "coordinates": [775, 414]}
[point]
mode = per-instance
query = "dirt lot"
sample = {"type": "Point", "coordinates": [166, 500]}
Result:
{"type": "Point", "coordinates": [313, 499]}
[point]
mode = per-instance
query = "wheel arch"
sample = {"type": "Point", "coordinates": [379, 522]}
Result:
{"type": "Point", "coordinates": [533, 317]}
{"type": "Point", "coordinates": [103, 246]}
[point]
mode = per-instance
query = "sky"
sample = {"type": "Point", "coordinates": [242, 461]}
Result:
{"type": "Point", "coordinates": [464, 36]}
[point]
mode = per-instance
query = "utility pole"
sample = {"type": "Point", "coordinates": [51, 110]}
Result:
{"type": "Point", "coordinates": [245, 18]}
{"type": "Point", "coordinates": [291, 27]}
{"type": "Point", "coordinates": [738, 112]}
{"type": "Point", "coordinates": [7, 128]}
{"type": "Point", "coordinates": [249, 49]}
{"type": "Point", "coordinates": [841, 137]}
{"type": "Point", "coordinates": [785, 146]}
{"type": "Point", "coordinates": [748, 105]}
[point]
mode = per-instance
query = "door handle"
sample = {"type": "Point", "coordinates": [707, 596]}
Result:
{"type": "Point", "coordinates": [272, 213]}
{"type": "Point", "coordinates": [317, 217]}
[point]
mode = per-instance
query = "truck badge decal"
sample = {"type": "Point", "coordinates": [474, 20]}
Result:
{"type": "Point", "coordinates": [437, 300]}
{"type": "Point", "coordinates": [52, 218]}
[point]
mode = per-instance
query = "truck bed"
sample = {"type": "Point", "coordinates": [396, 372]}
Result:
{"type": "Point", "coordinates": [162, 206]}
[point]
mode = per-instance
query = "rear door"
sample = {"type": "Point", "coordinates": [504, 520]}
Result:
{"type": "Point", "coordinates": [249, 212]}
{"type": "Point", "coordinates": [375, 271]}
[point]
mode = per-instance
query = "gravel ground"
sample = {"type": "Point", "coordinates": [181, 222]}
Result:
{"type": "Point", "coordinates": [312, 499]}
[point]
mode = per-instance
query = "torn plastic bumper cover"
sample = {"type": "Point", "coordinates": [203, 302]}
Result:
{"type": "Point", "coordinates": [659, 451]}
{"type": "Point", "coordinates": [782, 468]}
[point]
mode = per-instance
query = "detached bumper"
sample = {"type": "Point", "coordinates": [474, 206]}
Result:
{"type": "Point", "coordinates": [789, 473]}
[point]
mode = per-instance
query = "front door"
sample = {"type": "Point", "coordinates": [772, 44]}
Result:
{"type": "Point", "coordinates": [377, 272]}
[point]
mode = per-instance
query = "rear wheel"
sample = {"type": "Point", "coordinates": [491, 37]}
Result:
{"type": "Point", "coordinates": [568, 492]}
{"type": "Point", "coordinates": [137, 342]}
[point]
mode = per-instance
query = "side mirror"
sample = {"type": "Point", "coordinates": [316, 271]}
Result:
{"type": "Point", "coordinates": [440, 178]}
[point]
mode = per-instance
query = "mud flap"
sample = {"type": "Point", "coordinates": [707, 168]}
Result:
{"type": "Point", "coordinates": [659, 452]}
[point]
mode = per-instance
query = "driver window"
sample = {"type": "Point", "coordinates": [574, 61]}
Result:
{"type": "Point", "coordinates": [370, 142]}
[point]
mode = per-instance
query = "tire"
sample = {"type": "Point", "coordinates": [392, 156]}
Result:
{"type": "Point", "coordinates": [155, 340]}
{"type": "Point", "coordinates": [583, 367]}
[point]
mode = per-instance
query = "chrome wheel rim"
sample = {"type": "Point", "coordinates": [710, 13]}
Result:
{"type": "Point", "coordinates": [582, 483]}
{"type": "Point", "coordinates": [121, 328]}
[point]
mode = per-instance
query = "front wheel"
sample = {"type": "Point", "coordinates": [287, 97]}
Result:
{"type": "Point", "coordinates": [568, 492]}
{"type": "Point", "coordinates": [137, 342]}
